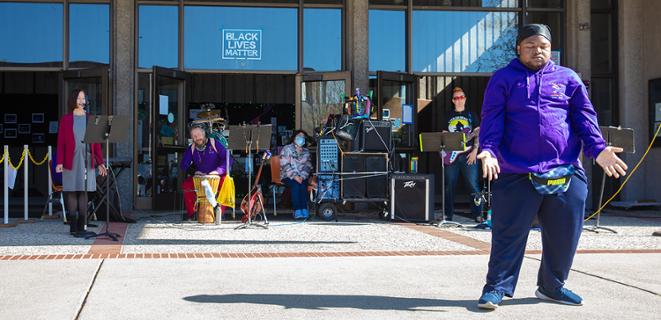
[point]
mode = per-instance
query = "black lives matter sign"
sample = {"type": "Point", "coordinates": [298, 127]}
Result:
{"type": "Point", "coordinates": [242, 44]}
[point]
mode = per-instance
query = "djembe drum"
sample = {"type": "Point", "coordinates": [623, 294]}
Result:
{"type": "Point", "coordinates": [205, 213]}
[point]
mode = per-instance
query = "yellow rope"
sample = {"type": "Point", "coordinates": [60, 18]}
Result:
{"type": "Point", "coordinates": [3, 157]}
{"type": "Point", "coordinates": [35, 162]}
{"type": "Point", "coordinates": [628, 177]}
{"type": "Point", "coordinates": [20, 162]}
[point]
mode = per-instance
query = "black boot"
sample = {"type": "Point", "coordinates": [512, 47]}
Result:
{"type": "Point", "coordinates": [73, 223]}
{"type": "Point", "coordinates": [82, 226]}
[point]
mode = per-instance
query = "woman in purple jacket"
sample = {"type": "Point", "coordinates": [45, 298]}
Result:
{"type": "Point", "coordinates": [536, 116]}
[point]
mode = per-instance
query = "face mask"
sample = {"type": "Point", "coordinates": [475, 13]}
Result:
{"type": "Point", "coordinates": [300, 141]}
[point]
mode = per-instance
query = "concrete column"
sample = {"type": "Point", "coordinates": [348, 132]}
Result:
{"type": "Point", "coordinates": [633, 101]}
{"type": "Point", "coordinates": [358, 17]}
{"type": "Point", "coordinates": [123, 79]}
{"type": "Point", "coordinates": [579, 58]}
{"type": "Point", "coordinates": [652, 70]}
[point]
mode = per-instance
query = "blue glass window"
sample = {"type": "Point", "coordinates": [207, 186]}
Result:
{"type": "Point", "coordinates": [387, 40]}
{"type": "Point", "coordinates": [89, 33]}
{"type": "Point", "coordinates": [461, 41]}
{"type": "Point", "coordinates": [31, 33]}
{"type": "Point", "coordinates": [322, 39]}
{"type": "Point", "coordinates": [158, 36]}
{"type": "Point", "coordinates": [236, 38]}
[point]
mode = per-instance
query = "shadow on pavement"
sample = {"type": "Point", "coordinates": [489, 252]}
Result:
{"type": "Point", "coordinates": [323, 302]}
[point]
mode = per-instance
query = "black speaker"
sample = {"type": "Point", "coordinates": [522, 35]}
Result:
{"type": "Point", "coordinates": [376, 135]}
{"type": "Point", "coordinates": [412, 197]}
{"type": "Point", "coordinates": [365, 175]}
{"type": "Point", "coordinates": [353, 186]}
{"type": "Point", "coordinates": [377, 185]}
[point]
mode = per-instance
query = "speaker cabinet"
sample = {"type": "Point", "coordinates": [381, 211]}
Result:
{"type": "Point", "coordinates": [365, 175]}
{"type": "Point", "coordinates": [412, 197]}
{"type": "Point", "coordinates": [376, 136]}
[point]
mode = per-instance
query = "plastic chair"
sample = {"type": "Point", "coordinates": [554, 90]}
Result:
{"type": "Point", "coordinates": [57, 189]}
{"type": "Point", "coordinates": [274, 163]}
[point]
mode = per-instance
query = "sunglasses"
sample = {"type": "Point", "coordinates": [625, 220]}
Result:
{"type": "Point", "coordinates": [458, 98]}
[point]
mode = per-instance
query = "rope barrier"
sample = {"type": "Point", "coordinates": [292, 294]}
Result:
{"type": "Point", "coordinates": [37, 163]}
{"type": "Point", "coordinates": [20, 162]}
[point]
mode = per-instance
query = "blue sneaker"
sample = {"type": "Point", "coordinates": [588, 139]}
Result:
{"type": "Point", "coordinates": [305, 213]}
{"type": "Point", "coordinates": [298, 214]}
{"type": "Point", "coordinates": [562, 295]}
{"type": "Point", "coordinates": [490, 300]}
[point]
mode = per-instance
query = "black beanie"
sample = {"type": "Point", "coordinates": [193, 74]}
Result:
{"type": "Point", "coordinates": [533, 30]}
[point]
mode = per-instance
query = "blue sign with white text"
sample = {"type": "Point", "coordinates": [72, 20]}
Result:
{"type": "Point", "coordinates": [242, 44]}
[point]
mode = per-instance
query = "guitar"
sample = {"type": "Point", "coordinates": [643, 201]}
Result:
{"type": "Point", "coordinates": [253, 202]}
{"type": "Point", "coordinates": [450, 157]}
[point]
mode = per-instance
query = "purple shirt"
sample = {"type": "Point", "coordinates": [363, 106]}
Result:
{"type": "Point", "coordinates": [536, 121]}
{"type": "Point", "coordinates": [208, 160]}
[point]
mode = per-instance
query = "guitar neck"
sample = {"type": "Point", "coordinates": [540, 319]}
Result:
{"type": "Point", "coordinates": [259, 173]}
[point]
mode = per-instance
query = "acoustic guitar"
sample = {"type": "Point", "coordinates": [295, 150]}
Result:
{"type": "Point", "coordinates": [253, 202]}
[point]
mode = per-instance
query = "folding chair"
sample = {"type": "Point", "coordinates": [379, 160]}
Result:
{"type": "Point", "coordinates": [56, 183]}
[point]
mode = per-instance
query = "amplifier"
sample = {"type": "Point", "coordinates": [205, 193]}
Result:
{"type": "Point", "coordinates": [412, 197]}
{"type": "Point", "coordinates": [368, 175]}
{"type": "Point", "coordinates": [327, 155]}
{"type": "Point", "coordinates": [328, 187]}
{"type": "Point", "coordinates": [376, 135]}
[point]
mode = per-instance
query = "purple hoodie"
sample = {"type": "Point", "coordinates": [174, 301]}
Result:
{"type": "Point", "coordinates": [536, 121]}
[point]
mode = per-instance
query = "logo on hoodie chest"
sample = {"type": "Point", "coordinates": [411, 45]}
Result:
{"type": "Point", "coordinates": [557, 90]}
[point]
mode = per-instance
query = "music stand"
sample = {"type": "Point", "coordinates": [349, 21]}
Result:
{"type": "Point", "coordinates": [616, 137]}
{"type": "Point", "coordinates": [443, 142]}
{"type": "Point", "coordinates": [106, 129]}
{"type": "Point", "coordinates": [251, 137]}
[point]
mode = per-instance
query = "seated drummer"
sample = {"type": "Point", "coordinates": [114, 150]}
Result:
{"type": "Point", "coordinates": [209, 157]}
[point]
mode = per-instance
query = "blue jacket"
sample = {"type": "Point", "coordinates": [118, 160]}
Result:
{"type": "Point", "coordinates": [536, 121]}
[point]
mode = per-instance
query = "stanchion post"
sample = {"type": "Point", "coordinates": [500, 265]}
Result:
{"type": "Point", "coordinates": [50, 181]}
{"type": "Point", "coordinates": [25, 182]}
{"type": "Point", "coordinates": [5, 185]}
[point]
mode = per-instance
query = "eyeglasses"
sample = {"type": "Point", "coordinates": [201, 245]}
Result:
{"type": "Point", "coordinates": [459, 98]}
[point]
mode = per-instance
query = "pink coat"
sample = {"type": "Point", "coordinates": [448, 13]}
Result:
{"type": "Point", "coordinates": [66, 144]}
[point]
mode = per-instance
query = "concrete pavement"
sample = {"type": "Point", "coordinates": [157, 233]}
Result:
{"type": "Point", "coordinates": [626, 286]}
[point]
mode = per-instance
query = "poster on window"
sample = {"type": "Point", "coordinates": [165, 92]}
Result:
{"type": "Point", "coordinates": [242, 44]}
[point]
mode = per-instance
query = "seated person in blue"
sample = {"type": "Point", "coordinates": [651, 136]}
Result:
{"type": "Point", "coordinates": [295, 168]}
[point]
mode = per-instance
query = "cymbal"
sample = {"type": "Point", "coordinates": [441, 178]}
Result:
{"type": "Point", "coordinates": [209, 114]}
{"type": "Point", "coordinates": [218, 119]}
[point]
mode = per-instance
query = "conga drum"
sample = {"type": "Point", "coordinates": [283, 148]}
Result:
{"type": "Point", "coordinates": [205, 212]}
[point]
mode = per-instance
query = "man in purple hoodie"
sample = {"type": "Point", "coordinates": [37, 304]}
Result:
{"type": "Point", "coordinates": [536, 116]}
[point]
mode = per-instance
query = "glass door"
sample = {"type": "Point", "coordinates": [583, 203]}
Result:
{"type": "Point", "coordinates": [396, 98]}
{"type": "Point", "coordinates": [318, 95]}
{"type": "Point", "coordinates": [169, 137]}
{"type": "Point", "coordinates": [95, 84]}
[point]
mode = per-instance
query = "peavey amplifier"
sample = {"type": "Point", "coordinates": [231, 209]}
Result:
{"type": "Point", "coordinates": [412, 197]}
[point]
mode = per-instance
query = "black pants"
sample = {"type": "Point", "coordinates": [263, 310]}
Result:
{"type": "Point", "coordinates": [76, 202]}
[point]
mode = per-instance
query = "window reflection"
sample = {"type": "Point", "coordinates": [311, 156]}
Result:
{"type": "Point", "coordinates": [236, 38]}
{"type": "Point", "coordinates": [31, 33]}
{"type": "Point", "coordinates": [89, 33]}
{"type": "Point", "coordinates": [318, 100]}
{"type": "Point", "coordinates": [322, 33]}
{"type": "Point", "coordinates": [461, 41]}
{"type": "Point", "coordinates": [468, 3]}
{"type": "Point", "coordinates": [158, 37]}
{"type": "Point", "coordinates": [387, 40]}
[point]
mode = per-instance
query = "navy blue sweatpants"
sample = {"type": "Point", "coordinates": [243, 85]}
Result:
{"type": "Point", "coordinates": [515, 204]}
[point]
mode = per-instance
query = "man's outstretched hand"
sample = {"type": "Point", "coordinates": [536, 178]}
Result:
{"type": "Point", "coordinates": [611, 163]}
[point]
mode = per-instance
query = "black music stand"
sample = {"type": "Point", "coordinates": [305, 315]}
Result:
{"type": "Point", "coordinates": [251, 137]}
{"type": "Point", "coordinates": [615, 137]}
{"type": "Point", "coordinates": [443, 142]}
{"type": "Point", "coordinates": [106, 129]}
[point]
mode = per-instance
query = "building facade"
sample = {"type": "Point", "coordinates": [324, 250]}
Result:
{"type": "Point", "coordinates": [291, 62]}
